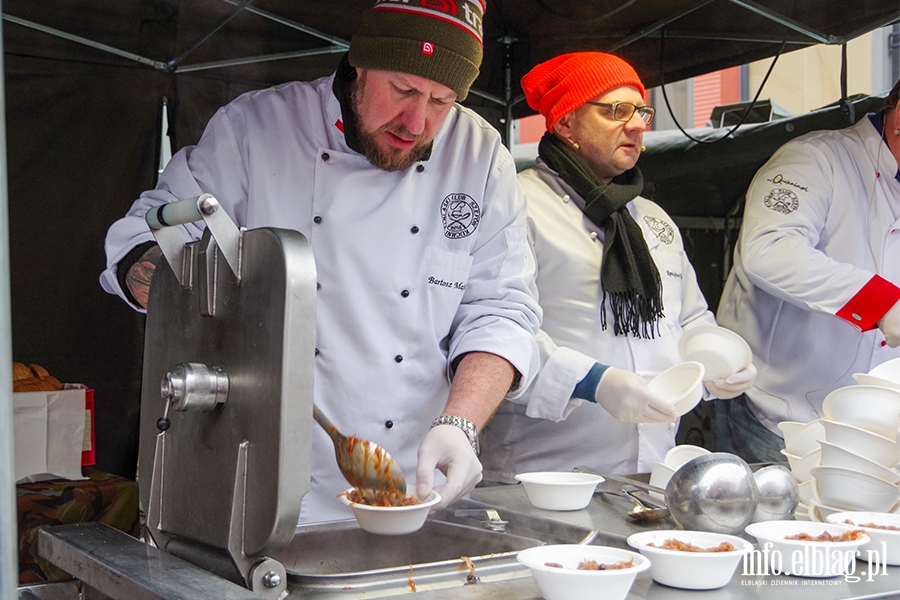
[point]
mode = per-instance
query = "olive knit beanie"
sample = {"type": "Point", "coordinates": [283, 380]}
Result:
{"type": "Point", "coordinates": [560, 85]}
{"type": "Point", "coordinates": [440, 41]}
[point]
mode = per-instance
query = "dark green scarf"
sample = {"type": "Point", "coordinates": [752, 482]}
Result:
{"type": "Point", "coordinates": [628, 274]}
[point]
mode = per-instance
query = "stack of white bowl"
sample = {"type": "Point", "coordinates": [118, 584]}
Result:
{"type": "Point", "coordinates": [848, 461]}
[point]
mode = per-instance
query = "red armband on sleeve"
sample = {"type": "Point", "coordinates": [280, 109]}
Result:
{"type": "Point", "coordinates": [870, 303]}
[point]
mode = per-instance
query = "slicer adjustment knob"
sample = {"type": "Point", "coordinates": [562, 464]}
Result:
{"type": "Point", "coordinates": [195, 386]}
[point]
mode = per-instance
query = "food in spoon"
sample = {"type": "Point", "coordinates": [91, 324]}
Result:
{"type": "Point", "coordinates": [388, 492]}
{"type": "Point", "coordinates": [673, 544]}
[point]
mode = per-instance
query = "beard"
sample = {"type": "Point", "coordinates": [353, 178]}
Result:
{"type": "Point", "coordinates": [385, 158]}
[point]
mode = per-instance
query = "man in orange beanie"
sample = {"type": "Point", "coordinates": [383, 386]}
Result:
{"type": "Point", "coordinates": [614, 282]}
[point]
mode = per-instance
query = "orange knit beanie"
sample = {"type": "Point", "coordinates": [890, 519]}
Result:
{"type": "Point", "coordinates": [560, 85]}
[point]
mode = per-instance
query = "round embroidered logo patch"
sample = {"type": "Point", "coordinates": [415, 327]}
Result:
{"type": "Point", "coordinates": [662, 230]}
{"type": "Point", "coordinates": [460, 215]}
{"type": "Point", "coordinates": [782, 200]}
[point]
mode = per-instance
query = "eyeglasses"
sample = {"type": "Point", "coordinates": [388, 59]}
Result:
{"type": "Point", "coordinates": [624, 111]}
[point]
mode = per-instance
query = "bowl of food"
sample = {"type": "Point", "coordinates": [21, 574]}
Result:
{"type": "Point", "coordinates": [801, 466]}
{"type": "Point", "coordinates": [691, 560]}
{"type": "Point", "coordinates": [721, 351]}
{"type": "Point", "coordinates": [406, 516]}
{"type": "Point", "coordinates": [552, 490]}
{"type": "Point", "coordinates": [836, 456]}
{"type": "Point", "coordinates": [883, 528]}
{"type": "Point", "coordinates": [808, 549]}
{"type": "Point", "coordinates": [681, 385]}
{"type": "Point", "coordinates": [883, 450]}
{"type": "Point", "coordinates": [852, 490]}
{"type": "Point", "coordinates": [580, 572]}
{"type": "Point", "coordinates": [871, 407]}
{"type": "Point", "coordinates": [801, 438]}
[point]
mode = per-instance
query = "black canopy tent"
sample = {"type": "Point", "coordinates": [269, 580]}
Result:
{"type": "Point", "coordinates": [86, 80]}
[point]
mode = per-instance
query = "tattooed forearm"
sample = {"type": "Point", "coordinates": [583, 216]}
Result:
{"type": "Point", "coordinates": [141, 273]}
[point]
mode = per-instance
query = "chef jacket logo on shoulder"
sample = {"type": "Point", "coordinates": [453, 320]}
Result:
{"type": "Point", "coordinates": [460, 215]}
{"type": "Point", "coordinates": [782, 200]}
{"type": "Point", "coordinates": [662, 230]}
{"type": "Point", "coordinates": [780, 180]}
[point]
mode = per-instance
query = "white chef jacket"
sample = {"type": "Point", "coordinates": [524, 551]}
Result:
{"type": "Point", "coordinates": [816, 265]}
{"type": "Point", "coordinates": [545, 429]}
{"type": "Point", "coordinates": [415, 268]}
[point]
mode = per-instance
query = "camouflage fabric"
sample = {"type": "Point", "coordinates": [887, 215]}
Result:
{"type": "Point", "coordinates": [102, 498]}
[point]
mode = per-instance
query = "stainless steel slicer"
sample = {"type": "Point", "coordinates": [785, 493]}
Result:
{"type": "Point", "coordinates": [227, 393]}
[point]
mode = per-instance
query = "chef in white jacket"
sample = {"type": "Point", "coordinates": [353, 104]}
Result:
{"type": "Point", "coordinates": [814, 287]}
{"type": "Point", "coordinates": [425, 318]}
{"type": "Point", "coordinates": [614, 282]}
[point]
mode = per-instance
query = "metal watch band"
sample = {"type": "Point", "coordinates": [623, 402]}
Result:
{"type": "Point", "coordinates": [467, 426]}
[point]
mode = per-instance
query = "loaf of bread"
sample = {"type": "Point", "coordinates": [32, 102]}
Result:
{"type": "Point", "coordinates": [33, 378]}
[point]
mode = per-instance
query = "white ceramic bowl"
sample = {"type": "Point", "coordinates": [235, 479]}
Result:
{"type": "Point", "coordinates": [801, 438]}
{"type": "Point", "coordinates": [889, 370]}
{"type": "Point", "coordinates": [885, 542]}
{"type": "Point", "coordinates": [871, 407]}
{"type": "Point", "coordinates": [851, 490]}
{"type": "Point", "coordinates": [571, 583]}
{"type": "Point", "coordinates": [391, 520]}
{"type": "Point", "coordinates": [552, 490]}
{"type": "Point", "coordinates": [721, 351]}
{"type": "Point", "coordinates": [866, 379]}
{"type": "Point", "coordinates": [883, 450]}
{"type": "Point", "coordinates": [682, 453]}
{"type": "Point", "coordinates": [806, 558]}
{"type": "Point", "coordinates": [835, 456]}
{"type": "Point", "coordinates": [801, 466]}
{"type": "Point", "coordinates": [690, 570]}
{"type": "Point", "coordinates": [681, 385]}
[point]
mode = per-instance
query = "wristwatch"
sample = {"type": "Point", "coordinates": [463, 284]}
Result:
{"type": "Point", "coordinates": [467, 426]}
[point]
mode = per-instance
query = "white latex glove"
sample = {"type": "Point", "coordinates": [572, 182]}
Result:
{"type": "Point", "coordinates": [447, 449]}
{"type": "Point", "coordinates": [889, 325]}
{"type": "Point", "coordinates": [626, 396]}
{"type": "Point", "coordinates": [733, 385]}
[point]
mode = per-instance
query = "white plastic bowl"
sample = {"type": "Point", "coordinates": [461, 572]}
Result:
{"type": "Point", "coordinates": [802, 512]}
{"type": "Point", "coordinates": [818, 512]}
{"type": "Point", "coordinates": [866, 379]}
{"type": "Point", "coordinates": [883, 450]}
{"type": "Point", "coordinates": [806, 492]}
{"type": "Point", "coordinates": [801, 438]}
{"type": "Point", "coordinates": [885, 542]}
{"type": "Point", "coordinates": [721, 351]}
{"type": "Point", "coordinates": [889, 370]}
{"type": "Point", "coordinates": [871, 407]}
{"type": "Point", "coordinates": [660, 474]}
{"type": "Point", "coordinates": [552, 490]}
{"type": "Point", "coordinates": [851, 490]}
{"type": "Point", "coordinates": [801, 466]}
{"type": "Point", "coordinates": [835, 456]}
{"type": "Point", "coordinates": [680, 454]}
{"type": "Point", "coordinates": [570, 583]}
{"type": "Point", "coordinates": [681, 385]}
{"type": "Point", "coordinates": [806, 558]}
{"type": "Point", "coordinates": [391, 520]}
{"type": "Point", "coordinates": [690, 570]}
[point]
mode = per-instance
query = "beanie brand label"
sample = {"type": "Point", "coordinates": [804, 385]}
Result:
{"type": "Point", "coordinates": [469, 18]}
{"type": "Point", "coordinates": [427, 48]}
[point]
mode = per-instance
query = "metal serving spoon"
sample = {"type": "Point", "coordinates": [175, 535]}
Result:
{"type": "Point", "coordinates": [366, 465]}
{"type": "Point", "coordinates": [639, 511]}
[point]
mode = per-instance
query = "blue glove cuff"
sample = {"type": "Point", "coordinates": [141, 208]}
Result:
{"type": "Point", "coordinates": [587, 387]}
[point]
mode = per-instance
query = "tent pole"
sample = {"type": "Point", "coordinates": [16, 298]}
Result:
{"type": "Point", "coordinates": [9, 568]}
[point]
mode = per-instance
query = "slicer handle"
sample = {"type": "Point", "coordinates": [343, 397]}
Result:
{"type": "Point", "coordinates": [180, 212]}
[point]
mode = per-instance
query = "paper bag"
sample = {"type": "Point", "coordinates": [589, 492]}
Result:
{"type": "Point", "coordinates": [48, 431]}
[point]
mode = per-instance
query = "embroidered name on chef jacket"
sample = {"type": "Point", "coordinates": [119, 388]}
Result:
{"type": "Point", "coordinates": [662, 230]}
{"type": "Point", "coordinates": [460, 215]}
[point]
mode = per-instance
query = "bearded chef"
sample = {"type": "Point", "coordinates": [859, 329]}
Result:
{"type": "Point", "coordinates": [425, 321]}
{"type": "Point", "coordinates": [814, 287]}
